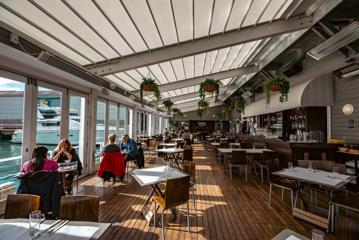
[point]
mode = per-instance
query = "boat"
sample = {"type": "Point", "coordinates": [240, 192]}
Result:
{"type": "Point", "coordinates": [48, 128]}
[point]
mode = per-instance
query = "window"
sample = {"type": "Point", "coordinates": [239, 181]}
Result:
{"type": "Point", "coordinates": [11, 119]}
{"type": "Point", "coordinates": [100, 129]}
{"type": "Point", "coordinates": [77, 123]}
{"type": "Point", "coordinates": [130, 122]}
{"type": "Point", "coordinates": [48, 117]}
{"type": "Point", "coordinates": [122, 121]}
{"type": "Point", "coordinates": [112, 122]}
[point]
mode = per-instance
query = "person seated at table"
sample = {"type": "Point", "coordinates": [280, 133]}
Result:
{"type": "Point", "coordinates": [129, 147]}
{"type": "Point", "coordinates": [187, 137]}
{"type": "Point", "coordinates": [39, 162]}
{"type": "Point", "coordinates": [166, 132]}
{"type": "Point", "coordinates": [63, 152]}
{"type": "Point", "coordinates": [112, 163]}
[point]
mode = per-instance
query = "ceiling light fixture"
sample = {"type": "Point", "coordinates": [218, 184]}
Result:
{"type": "Point", "coordinates": [342, 38]}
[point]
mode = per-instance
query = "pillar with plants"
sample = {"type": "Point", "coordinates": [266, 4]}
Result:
{"type": "Point", "coordinates": [276, 84]}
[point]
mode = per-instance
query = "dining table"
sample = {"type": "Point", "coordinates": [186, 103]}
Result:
{"type": "Point", "coordinates": [171, 154]}
{"type": "Point", "coordinates": [168, 144]}
{"type": "Point", "coordinates": [328, 181]}
{"type": "Point", "coordinates": [19, 229]}
{"type": "Point", "coordinates": [288, 234]}
{"type": "Point", "coordinates": [65, 168]}
{"type": "Point", "coordinates": [153, 177]}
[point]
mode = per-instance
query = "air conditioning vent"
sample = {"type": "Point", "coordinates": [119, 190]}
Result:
{"type": "Point", "coordinates": [349, 71]}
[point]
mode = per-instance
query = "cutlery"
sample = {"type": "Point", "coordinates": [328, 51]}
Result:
{"type": "Point", "coordinates": [58, 227]}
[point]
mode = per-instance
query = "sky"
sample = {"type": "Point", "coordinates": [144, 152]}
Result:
{"type": "Point", "coordinates": [10, 85]}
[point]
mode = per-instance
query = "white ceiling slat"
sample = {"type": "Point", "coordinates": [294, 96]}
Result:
{"type": "Point", "coordinates": [231, 56]}
{"type": "Point", "coordinates": [120, 82]}
{"type": "Point", "coordinates": [251, 47]}
{"type": "Point", "coordinates": [158, 74]}
{"type": "Point", "coordinates": [188, 65]}
{"type": "Point", "coordinates": [122, 21]}
{"type": "Point", "coordinates": [91, 15]}
{"type": "Point", "coordinates": [282, 5]}
{"type": "Point", "coordinates": [135, 75]}
{"type": "Point", "coordinates": [184, 90]}
{"type": "Point", "coordinates": [165, 94]}
{"type": "Point", "coordinates": [155, 22]}
{"type": "Point", "coordinates": [253, 13]}
{"type": "Point", "coordinates": [168, 71]}
{"type": "Point", "coordinates": [177, 66]}
{"type": "Point", "coordinates": [220, 15]}
{"type": "Point", "coordinates": [220, 58]}
{"type": "Point", "coordinates": [172, 93]}
{"type": "Point", "coordinates": [199, 64]}
{"type": "Point", "coordinates": [212, 59]}
{"type": "Point", "coordinates": [178, 92]}
{"type": "Point", "coordinates": [207, 66]}
{"type": "Point", "coordinates": [202, 12]}
{"type": "Point", "coordinates": [182, 10]}
{"type": "Point", "coordinates": [141, 15]}
{"type": "Point", "coordinates": [264, 8]}
{"type": "Point", "coordinates": [241, 55]}
{"type": "Point", "coordinates": [126, 78]}
{"type": "Point", "coordinates": [237, 14]}
{"type": "Point", "coordinates": [40, 36]}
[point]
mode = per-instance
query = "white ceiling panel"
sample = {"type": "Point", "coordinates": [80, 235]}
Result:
{"type": "Point", "coordinates": [143, 71]}
{"type": "Point", "coordinates": [178, 67]}
{"type": "Point", "coordinates": [188, 65]}
{"type": "Point", "coordinates": [178, 92]}
{"type": "Point", "coordinates": [199, 61]}
{"type": "Point", "coordinates": [33, 32]}
{"type": "Point", "coordinates": [162, 12]}
{"type": "Point", "coordinates": [233, 53]}
{"type": "Point", "coordinates": [221, 11]}
{"type": "Point", "coordinates": [172, 93]}
{"type": "Point", "coordinates": [202, 19]}
{"type": "Point", "coordinates": [168, 71]}
{"type": "Point", "coordinates": [271, 10]}
{"type": "Point", "coordinates": [158, 74]}
{"type": "Point", "coordinates": [220, 58]}
{"type": "Point", "coordinates": [238, 13]}
{"type": "Point", "coordinates": [165, 95]}
{"type": "Point", "coordinates": [129, 80]}
{"type": "Point", "coordinates": [122, 21]}
{"type": "Point", "coordinates": [254, 12]}
{"type": "Point", "coordinates": [119, 82]}
{"type": "Point", "coordinates": [135, 75]}
{"type": "Point", "coordinates": [285, 7]}
{"type": "Point", "coordinates": [184, 90]}
{"type": "Point", "coordinates": [191, 89]}
{"type": "Point", "coordinates": [143, 20]}
{"type": "Point", "coordinates": [184, 18]}
{"type": "Point", "coordinates": [88, 10]}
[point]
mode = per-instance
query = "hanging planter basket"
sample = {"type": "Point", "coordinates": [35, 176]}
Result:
{"type": "Point", "coordinates": [276, 87]}
{"type": "Point", "coordinates": [210, 87]}
{"type": "Point", "coordinates": [148, 87]}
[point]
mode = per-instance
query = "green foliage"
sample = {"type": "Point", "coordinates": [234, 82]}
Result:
{"type": "Point", "coordinates": [200, 112]}
{"type": "Point", "coordinates": [226, 111]}
{"type": "Point", "coordinates": [154, 86]}
{"type": "Point", "coordinates": [168, 104]}
{"type": "Point", "coordinates": [283, 91]}
{"type": "Point", "coordinates": [239, 105]}
{"type": "Point", "coordinates": [203, 104]}
{"type": "Point", "coordinates": [177, 113]}
{"type": "Point", "coordinates": [209, 81]}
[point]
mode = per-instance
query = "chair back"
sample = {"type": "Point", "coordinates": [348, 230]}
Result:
{"type": "Point", "coordinates": [325, 165]}
{"type": "Point", "coordinates": [239, 157]}
{"type": "Point", "coordinates": [177, 191]}
{"type": "Point", "coordinates": [246, 145]}
{"type": "Point", "coordinates": [152, 143]}
{"type": "Point", "coordinates": [190, 169]}
{"type": "Point", "coordinates": [21, 205]}
{"type": "Point", "coordinates": [259, 145]}
{"type": "Point", "coordinates": [273, 165]}
{"type": "Point", "coordinates": [269, 155]}
{"type": "Point", "coordinates": [112, 162]}
{"type": "Point", "coordinates": [224, 145]}
{"type": "Point", "coordinates": [188, 154]}
{"type": "Point", "coordinates": [80, 208]}
{"type": "Point", "coordinates": [235, 146]}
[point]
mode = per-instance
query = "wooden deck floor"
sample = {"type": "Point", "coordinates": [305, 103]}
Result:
{"type": "Point", "coordinates": [224, 209]}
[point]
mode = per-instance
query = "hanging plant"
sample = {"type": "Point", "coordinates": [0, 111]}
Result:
{"type": "Point", "coordinates": [203, 104]}
{"type": "Point", "coordinates": [276, 84]}
{"type": "Point", "coordinates": [226, 111]}
{"type": "Point", "coordinates": [168, 105]}
{"type": "Point", "coordinates": [150, 85]}
{"type": "Point", "coordinates": [177, 113]}
{"type": "Point", "coordinates": [239, 105]}
{"type": "Point", "coordinates": [209, 86]}
{"type": "Point", "coordinates": [200, 112]}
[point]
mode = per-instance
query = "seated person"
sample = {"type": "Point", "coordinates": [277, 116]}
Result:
{"type": "Point", "coordinates": [62, 152]}
{"type": "Point", "coordinates": [39, 162]}
{"type": "Point", "coordinates": [129, 147]}
{"type": "Point", "coordinates": [186, 137]}
{"type": "Point", "coordinates": [113, 162]}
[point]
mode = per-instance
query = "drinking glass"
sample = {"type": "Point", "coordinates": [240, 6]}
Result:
{"type": "Point", "coordinates": [310, 165]}
{"type": "Point", "coordinates": [317, 234]}
{"type": "Point", "coordinates": [290, 165]}
{"type": "Point", "coordinates": [335, 171]}
{"type": "Point", "coordinates": [34, 223]}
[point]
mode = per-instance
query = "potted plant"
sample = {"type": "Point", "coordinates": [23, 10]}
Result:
{"type": "Point", "coordinates": [149, 85]}
{"type": "Point", "coordinates": [276, 84]}
{"type": "Point", "coordinates": [168, 105]}
{"type": "Point", "coordinates": [200, 112]}
{"type": "Point", "coordinates": [239, 105]}
{"type": "Point", "coordinates": [226, 111]}
{"type": "Point", "coordinates": [177, 113]}
{"type": "Point", "coordinates": [209, 86]}
{"type": "Point", "coordinates": [203, 103]}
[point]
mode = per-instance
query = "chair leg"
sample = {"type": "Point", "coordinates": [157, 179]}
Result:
{"type": "Point", "coordinates": [154, 216]}
{"type": "Point", "coordinates": [282, 194]}
{"type": "Point", "coordinates": [291, 199]}
{"type": "Point", "coordinates": [230, 171]}
{"type": "Point", "coordinates": [262, 174]}
{"type": "Point", "coordinates": [188, 222]}
{"type": "Point", "coordinates": [163, 227]}
{"type": "Point", "coordinates": [193, 197]}
{"type": "Point", "coordinates": [270, 193]}
{"type": "Point", "coordinates": [246, 172]}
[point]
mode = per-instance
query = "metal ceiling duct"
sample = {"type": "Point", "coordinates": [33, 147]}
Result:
{"type": "Point", "coordinates": [342, 38]}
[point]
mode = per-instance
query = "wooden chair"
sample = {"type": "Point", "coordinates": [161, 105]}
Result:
{"type": "Point", "coordinates": [21, 205]}
{"type": "Point", "coordinates": [188, 154]}
{"type": "Point", "coordinates": [176, 194]}
{"type": "Point", "coordinates": [151, 147]}
{"type": "Point", "coordinates": [261, 162]}
{"type": "Point", "coordinates": [80, 208]}
{"type": "Point", "coordinates": [277, 181]}
{"type": "Point", "coordinates": [190, 169]}
{"type": "Point", "coordinates": [238, 160]}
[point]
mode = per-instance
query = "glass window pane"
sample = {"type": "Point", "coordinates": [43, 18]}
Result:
{"type": "Point", "coordinates": [48, 117]}
{"type": "Point", "coordinates": [122, 120]}
{"type": "Point", "coordinates": [11, 122]}
{"type": "Point", "coordinates": [112, 118]}
{"type": "Point", "coordinates": [77, 124]}
{"type": "Point", "coordinates": [100, 129]}
{"type": "Point", "coordinates": [129, 122]}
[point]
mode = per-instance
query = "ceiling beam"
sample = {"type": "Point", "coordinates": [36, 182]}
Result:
{"type": "Point", "coordinates": [282, 44]}
{"type": "Point", "coordinates": [205, 44]}
{"type": "Point", "coordinates": [197, 80]}
{"type": "Point", "coordinates": [194, 107]}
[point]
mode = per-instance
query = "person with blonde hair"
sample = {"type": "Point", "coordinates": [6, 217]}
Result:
{"type": "Point", "coordinates": [64, 151]}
